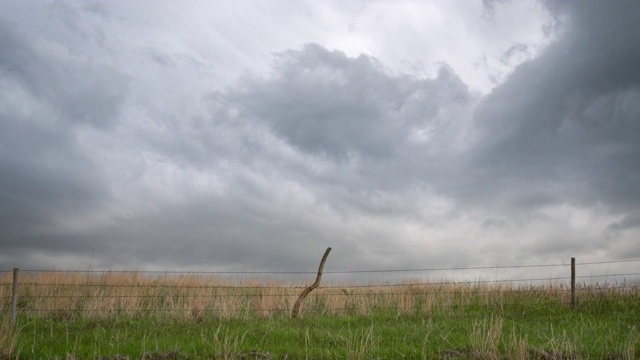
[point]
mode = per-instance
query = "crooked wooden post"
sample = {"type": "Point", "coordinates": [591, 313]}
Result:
{"type": "Point", "coordinates": [305, 292]}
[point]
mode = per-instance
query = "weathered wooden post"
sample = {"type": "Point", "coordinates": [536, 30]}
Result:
{"type": "Point", "coordinates": [573, 283]}
{"type": "Point", "coordinates": [14, 296]}
{"type": "Point", "coordinates": [305, 292]}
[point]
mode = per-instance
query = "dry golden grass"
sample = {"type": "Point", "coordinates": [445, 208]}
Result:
{"type": "Point", "coordinates": [192, 297]}
{"type": "Point", "coordinates": [106, 294]}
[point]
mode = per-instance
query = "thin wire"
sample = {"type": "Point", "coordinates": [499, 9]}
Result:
{"type": "Point", "coordinates": [325, 272]}
{"type": "Point", "coordinates": [167, 272]}
{"type": "Point", "coordinates": [161, 296]}
{"type": "Point", "coordinates": [606, 275]}
{"type": "Point", "coordinates": [607, 262]}
{"type": "Point", "coordinates": [212, 287]}
{"type": "Point", "coordinates": [442, 269]}
{"type": "Point", "coordinates": [442, 283]}
{"type": "Point", "coordinates": [316, 294]}
{"type": "Point", "coordinates": [296, 272]}
{"type": "Point", "coordinates": [540, 291]}
{"type": "Point", "coordinates": [476, 267]}
{"type": "Point", "coordinates": [480, 281]}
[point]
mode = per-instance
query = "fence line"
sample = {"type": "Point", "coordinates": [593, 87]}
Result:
{"type": "Point", "coordinates": [35, 292]}
{"type": "Point", "coordinates": [415, 292]}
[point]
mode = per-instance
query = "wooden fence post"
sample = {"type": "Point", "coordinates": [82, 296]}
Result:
{"type": "Point", "coordinates": [296, 307]}
{"type": "Point", "coordinates": [573, 283]}
{"type": "Point", "coordinates": [14, 296]}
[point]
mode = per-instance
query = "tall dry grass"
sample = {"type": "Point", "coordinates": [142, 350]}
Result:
{"type": "Point", "coordinates": [194, 297]}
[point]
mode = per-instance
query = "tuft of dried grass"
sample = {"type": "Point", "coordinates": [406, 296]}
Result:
{"type": "Point", "coordinates": [225, 345]}
{"type": "Point", "coordinates": [361, 345]}
{"type": "Point", "coordinates": [484, 339]}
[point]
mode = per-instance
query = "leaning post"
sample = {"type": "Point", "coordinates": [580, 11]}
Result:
{"type": "Point", "coordinates": [305, 292]}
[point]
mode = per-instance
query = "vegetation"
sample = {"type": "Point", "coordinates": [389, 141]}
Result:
{"type": "Point", "coordinates": [129, 315]}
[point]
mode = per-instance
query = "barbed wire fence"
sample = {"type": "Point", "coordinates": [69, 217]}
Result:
{"type": "Point", "coordinates": [68, 293]}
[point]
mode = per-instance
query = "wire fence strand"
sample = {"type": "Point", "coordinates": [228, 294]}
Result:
{"type": "Point", "coordinates": [161, 272]}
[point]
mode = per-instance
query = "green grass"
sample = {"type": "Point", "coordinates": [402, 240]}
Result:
{"type": "Point", "coordinates": [115, 316]}
{"type": "Point", "coordinates": [527, 331]}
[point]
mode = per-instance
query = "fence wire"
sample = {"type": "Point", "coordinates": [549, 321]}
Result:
{"type": "Point", "coordinates": [373, 271]}
{"type": "Point", "coordinates": [344, 286]}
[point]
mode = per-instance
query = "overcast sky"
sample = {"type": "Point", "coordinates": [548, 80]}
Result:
{"type": "Point", "coordinates": [251, 135]}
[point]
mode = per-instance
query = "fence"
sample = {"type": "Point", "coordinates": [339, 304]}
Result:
{"type": "Point", "coordinates": [67, 294]}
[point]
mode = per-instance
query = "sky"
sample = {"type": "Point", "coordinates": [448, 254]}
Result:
{"type": "Point", "coordinates": [252, 135]}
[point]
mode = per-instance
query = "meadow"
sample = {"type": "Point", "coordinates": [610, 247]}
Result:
{"type": "Point", "coordinates": [112, 315]}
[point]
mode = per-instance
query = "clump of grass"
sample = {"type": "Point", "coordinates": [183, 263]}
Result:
{"type": "Point", "coordinates": [361, 345]}
{"type": "Point", "coordinates": [8, 338]}
{"type": "Point", "coordinates": [224, 344]}
{"type": "Point", "coordinates": [559, 347]}
{"type": "Point", "coordinates": [516, 348]}
{"type": "Point", "coordinates": [628, 351]}
{"type": "Point", "coordinates": [484, 339]}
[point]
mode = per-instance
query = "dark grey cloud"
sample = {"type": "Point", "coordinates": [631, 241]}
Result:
{"type": "Point", "coordinates": [564, 127]}
{"type": "Point", "coordinates": [46, 96]}
{"type": "Point", "coordinates": [323, 102]}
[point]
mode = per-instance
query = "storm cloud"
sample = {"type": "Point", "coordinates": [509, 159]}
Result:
{"type": "Point", "coordinates": [125, 143]}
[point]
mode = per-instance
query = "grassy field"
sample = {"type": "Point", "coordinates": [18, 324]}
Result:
{"type": "Point", "coordinates": [132, 316]}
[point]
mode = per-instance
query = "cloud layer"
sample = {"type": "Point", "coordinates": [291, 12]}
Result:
{"type": "Point", "coordinates": [125, 152]}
